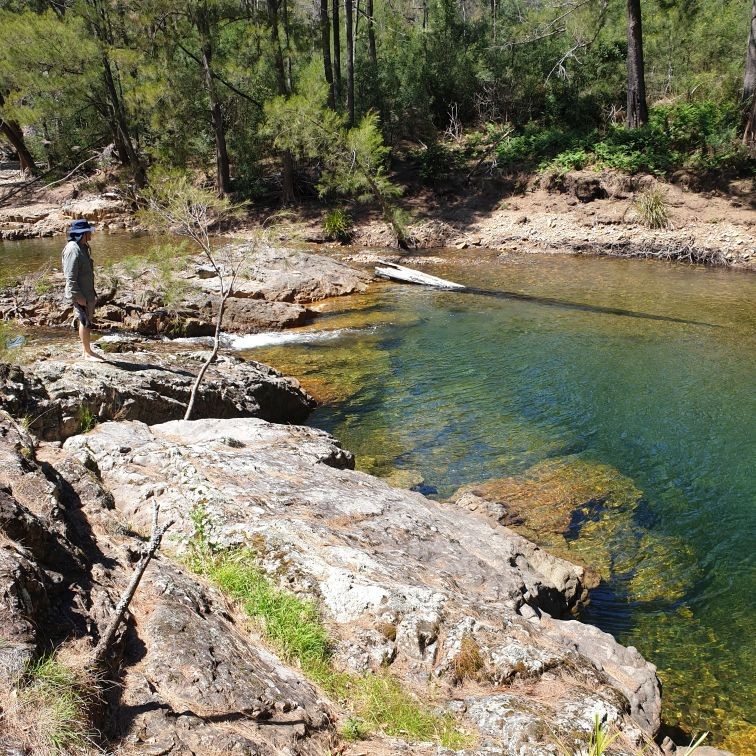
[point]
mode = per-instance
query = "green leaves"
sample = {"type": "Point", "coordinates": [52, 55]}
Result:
{"type": "Point", "coordinates": [352, 161]}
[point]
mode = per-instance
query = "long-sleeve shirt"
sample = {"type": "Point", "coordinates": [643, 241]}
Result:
{"type": "Point", "coordinates": [78, 270]}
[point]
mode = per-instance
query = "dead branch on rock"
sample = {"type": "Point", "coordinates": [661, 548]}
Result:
{"type": "Point", "coordinates": [106, 641]}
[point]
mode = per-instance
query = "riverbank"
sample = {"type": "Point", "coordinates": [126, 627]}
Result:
{"type": "Point", "coordinates": [578, 212]}
{"type": "Point", "coordinates": [446, 596]}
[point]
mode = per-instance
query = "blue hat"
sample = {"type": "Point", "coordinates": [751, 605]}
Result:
{"type": "Point", "coordinates": [79, 227]}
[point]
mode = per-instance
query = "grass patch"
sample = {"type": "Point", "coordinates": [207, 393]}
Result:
{"type": "Point", "coordinates": [86, 419]}
{"type": "Point", "coordinates": [652, 207]}
{"type": "Point", "coordinates": [338, 225]}
{"type": "Point", "coordinates": [293, 627]}
{"type": "Point", "coordinates": [49, 714]}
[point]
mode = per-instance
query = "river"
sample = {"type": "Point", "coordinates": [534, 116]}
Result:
{"type": "Point", "coordinates": [635, 378]}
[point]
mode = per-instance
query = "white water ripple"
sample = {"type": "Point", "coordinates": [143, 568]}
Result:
{"type": "Point", "coordinates": [242, 342]}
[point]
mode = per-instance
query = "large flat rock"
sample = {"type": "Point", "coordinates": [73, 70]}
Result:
{"type": "Point", "coordinates": [378, 557]}
{"type": "Point", "coordinates": [270, 293]}
{"type": "Point", "coordinates": [190, 678]}
{"type": "Point", "coordinates": [62, 397]}
{"type": "Point", "coordinates": [284, 275]}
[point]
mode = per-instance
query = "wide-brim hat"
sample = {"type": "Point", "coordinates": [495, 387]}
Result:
{"type": "Point", "coordinates": [79, 227]}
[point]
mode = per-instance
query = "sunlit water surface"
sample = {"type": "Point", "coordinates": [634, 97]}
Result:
{"type": "Point", "coordinates": [29, 255]}
{"type": "Point", "coordinates": [641, 369]}
{"type": "Point", "coordinates": [454, 388]}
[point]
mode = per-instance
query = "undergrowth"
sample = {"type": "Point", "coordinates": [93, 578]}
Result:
{"type": "Point", "coordinates": [377, 702]}
{"type": "Point", "coordinates": [700, 136]}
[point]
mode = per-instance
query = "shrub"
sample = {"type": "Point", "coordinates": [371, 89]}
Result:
{"type": "Point", "coordinates": [437, 162]}
{"type": "Point", "coordinates": [653, 208]}
{"type": "Point", "coordinates": [338, 225]}
{"type": "Point", "coordinates": [702, 135]}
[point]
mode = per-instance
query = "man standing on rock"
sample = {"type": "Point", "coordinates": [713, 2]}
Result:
{"type": "Point", "coordinates": [78, 270]}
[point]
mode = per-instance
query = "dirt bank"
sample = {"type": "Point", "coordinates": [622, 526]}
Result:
{"type": "Point", "coordinates": [581, 212]}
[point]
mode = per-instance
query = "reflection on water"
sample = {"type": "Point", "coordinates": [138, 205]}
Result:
{"type": "Point", "coordinates": [629, 379]}
{"type": "Point", "coordinates": [27, 255]}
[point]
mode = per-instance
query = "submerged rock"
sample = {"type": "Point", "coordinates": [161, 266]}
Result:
{"type": "Point", "coordinates": [587, 512]}
{"type": "Point", "coordinates": [447, 585]}
{"type": "Point", "coordinates": [60, 398]}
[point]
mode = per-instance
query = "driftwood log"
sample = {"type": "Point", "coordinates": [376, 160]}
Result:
{"type": "Point", "coordinates": [401, 273]}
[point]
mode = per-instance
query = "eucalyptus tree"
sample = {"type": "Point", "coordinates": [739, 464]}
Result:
{"type": "Point", "coordinates": [325, 46]}
{"type": "Point", "coordinates": [336, 53]}
{"type": "Point", "coordinates": [62, 59]}
{"type": "Point", "coordinates": [349, 33]}
{"type": "Point", "coordinates": [14, 134]}
{"type": "Point", "coordinates": [182, 30]}
{"type": "Point", "coordinates": [283, 82]}
{"type": "Point", "coordinates": [749, 81]}
{"type": "Point", "coordinates": [637, 109]}
{"type": "Point", "coordinates": [107, 23]}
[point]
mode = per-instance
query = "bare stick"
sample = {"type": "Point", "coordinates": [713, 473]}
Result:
{"type": "Point", "coordinates": [71, 173]}
{"type": "Point", "coordinates": [106, 640]}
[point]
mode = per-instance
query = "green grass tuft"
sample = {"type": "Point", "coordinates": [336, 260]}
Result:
{"type": "Point", "coordinates": [653, 208]}
{"type": "Point", "coordinates": [338, 225]}
{"type": "Point", "coordinates": [291, 624]}
{"type": "Point", "coordinates": [383, 704]}
{"type": "Point", "coordinates": [53, 707]}
{"type": "Point", "coordinates": [293, 627]}
{"type": "Point", "coordinates": [354, 729]}
{"type": "Point", "coordinates": [86, 419]}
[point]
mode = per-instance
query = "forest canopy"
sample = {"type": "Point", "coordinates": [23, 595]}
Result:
{"type": "Point", "coordinates": [264, 95]}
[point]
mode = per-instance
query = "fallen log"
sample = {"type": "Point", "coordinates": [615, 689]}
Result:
{"type": "Point", "coordinates": [395, 272]}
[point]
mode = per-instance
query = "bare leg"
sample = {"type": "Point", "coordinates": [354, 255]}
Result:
{"type": "Point", "coordinates": [85, 336]}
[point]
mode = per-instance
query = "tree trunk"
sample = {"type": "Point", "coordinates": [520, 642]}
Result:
{"type": "Point", "coordinates": [287, 161]}
{"type": "Point", "coordinates": [637, 109]}
{"type": "Point", "coordinates": [12, 132]}
{"type": "Point", "coordinates": [287, 58]}
{"type": "Point", "coordinates": [372, 52]}
{"type": "Point", "coordinates": [349, 29]}
{"type": "Point", "coordinates": [101, 28]}
{"type": "Point", "coordinates": [216, 113]}
{"type": "Point", "coordinates": [336, 55]}
{"type": "Point", "coordinates": [124, 143]}
{"type": "Point", "coordinates": [325, 41]}
{"type": "Point", "coordinates": [749, 81]}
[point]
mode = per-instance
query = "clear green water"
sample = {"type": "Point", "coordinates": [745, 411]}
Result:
{"type": "Point", "coordinates": [457, 388]}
